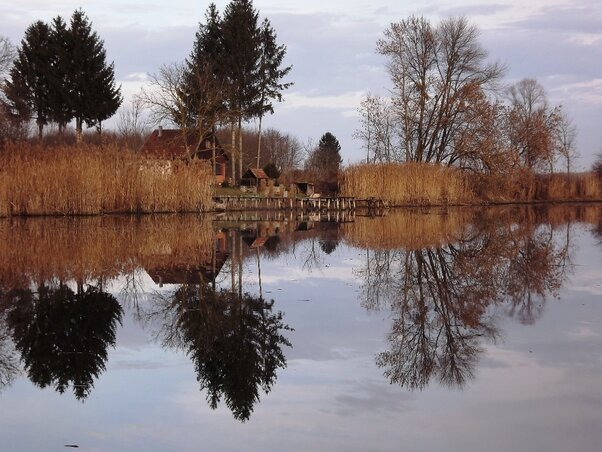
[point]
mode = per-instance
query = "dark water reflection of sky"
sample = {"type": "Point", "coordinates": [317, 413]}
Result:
{"type": "Point", "coordinates": [536, 386]}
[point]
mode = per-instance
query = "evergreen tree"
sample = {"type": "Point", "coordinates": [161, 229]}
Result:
{"type": "Point", "coordinates": [59, 76]}
{"type": "Point", "coordinates": [270, 75]}
{"type": "Point", "coordinates": [241, 57]}
{"type": "Point", "coordinates": [327, 154]}
{"type": "Point", "coordinates": [27, 87]}
{"type": "Point", "coordinates": [203, 93]}
{"type": "Point", "coordinates": [94, 96]}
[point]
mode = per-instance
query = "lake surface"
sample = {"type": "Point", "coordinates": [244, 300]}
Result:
{"type": "Point", "coordinates": [423, 330]}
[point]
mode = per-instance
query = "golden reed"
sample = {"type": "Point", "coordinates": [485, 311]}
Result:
{"type": "Point", "coordinates": [67, 180]}
{"type": "Point", "coordinates": [417, 184]}
{"type": "Point", "coordinates": [409, 184]}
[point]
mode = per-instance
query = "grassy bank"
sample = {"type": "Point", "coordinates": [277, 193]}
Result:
{"type": "Point", "coordinates": [36, 180]}
{"type": "Point", "coordinates": [427, 184]}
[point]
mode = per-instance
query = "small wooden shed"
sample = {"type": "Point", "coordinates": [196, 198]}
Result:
{"type": "Point", "coordinates": [255, 177]}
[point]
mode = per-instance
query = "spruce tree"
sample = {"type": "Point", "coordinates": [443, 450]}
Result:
{"type": "Point", "coordinates": [270, 75]}
{"type": "Point", "coordinates": [326, 157]}
{"type": "Point", "coordinates": [93, 94]}
{"type": "Point", "coordinates": [59, 76]}
{"type": "Point", "coordinates": [27, 87]}
{"type": "Point", "coordinates": [203, 68]}
{"type": "Point", "coordinates": [241, 57]}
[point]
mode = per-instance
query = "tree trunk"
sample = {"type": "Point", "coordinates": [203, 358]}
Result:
{"type": "Point", "coordinates": [259, 140]}
{"type": "Point", "coordinates": [78, 130]}
{"type": "Point", "coordinates": [232, 152]}
{"type": "Point", "coordinates": [240, 154]}
{"type": "Point", "coordinates": [213, 156]}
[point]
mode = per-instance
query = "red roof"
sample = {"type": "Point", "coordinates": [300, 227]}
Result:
{"type": "Point", "coordinates": [171, 144]}
{"type": "Point", "coordinates": [258, 173]}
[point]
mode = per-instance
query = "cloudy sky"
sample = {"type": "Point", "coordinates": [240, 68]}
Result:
{"type": "Point", "coordinates": [331, 47]}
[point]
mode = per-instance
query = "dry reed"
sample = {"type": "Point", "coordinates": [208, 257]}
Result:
{"type": "Point", "coordinates": [569, 187]}
{"type": "Point", "coordinates": [407, 184]}
{"type": "Point", "coordinates": [35, 180]}
{"type": "Point", "coordinates": [76, 248]}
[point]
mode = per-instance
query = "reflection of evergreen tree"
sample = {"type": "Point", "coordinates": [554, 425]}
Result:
{"type": "Point", "coordinates": [328, 246]}
{"type": "Point", "coordinates": [63, 336]}
{"type": "Point", "coordinates": [234, 342]}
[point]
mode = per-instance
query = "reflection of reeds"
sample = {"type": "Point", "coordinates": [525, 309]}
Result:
{"type": "Point", "coordinates": [99, 247]}
{"type": "Point", "coordinates": [415, 229]}
{"type": "Point", "coordinates": [408, 228]}
{"type": "Point", "coordinates": [407, 184]}
{"type": "Point", "coordinates": [92, 180]}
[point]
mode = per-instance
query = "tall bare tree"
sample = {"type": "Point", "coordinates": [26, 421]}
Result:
{"type": "Point", "coordinates": [433, 68]}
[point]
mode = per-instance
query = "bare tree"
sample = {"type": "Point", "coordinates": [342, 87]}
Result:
{"type": "Point", "coordinates": [566, 136]}
{"type": "Point", "coordinates": [532, 125]}
{"type": "Point", "coordinates": [378, 129]}
{"type": "Point", "coordinates": [167, 102]}
{"type": "Point", "coordinates": [7, 56]}
{"type": "Point", "coordinates": [432, 69]}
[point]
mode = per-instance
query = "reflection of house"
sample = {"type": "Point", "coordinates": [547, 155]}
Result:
{"type": "Point", "coordinates": [172, 144]}
{"type": "Point", "coordinates": [255, 177]}
{"type": "Point", "coordinates": [203, 271]}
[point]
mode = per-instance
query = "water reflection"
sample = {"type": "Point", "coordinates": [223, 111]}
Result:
{"type": "Point", "coordinates": [445, 276]}
{"type": "Point", "coordinates": [445, 298]}
{"type": "Point", "coordinates": [62, 336]}
{"type": "Point", "coordinates": [235, 342]}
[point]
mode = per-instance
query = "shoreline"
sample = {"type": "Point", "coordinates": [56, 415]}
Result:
{"type": "Point", "coordinates": [308, 211]}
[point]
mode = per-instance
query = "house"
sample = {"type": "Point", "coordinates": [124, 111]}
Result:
{"type": "Point", "coordinates": [173, 144]}
{"type": "Point", "coordinates": [255, 177]}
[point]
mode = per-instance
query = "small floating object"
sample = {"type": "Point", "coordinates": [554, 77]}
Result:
{"type": "Point", "coordinates": [71, 445]}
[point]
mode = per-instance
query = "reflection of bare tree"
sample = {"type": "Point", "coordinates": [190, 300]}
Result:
{"type": "Point", "coordinates": [235, 342]}
{"type": "Point", "coordinates": [62, 335]}
{"type": "Point", "coordinates": [444, 298]}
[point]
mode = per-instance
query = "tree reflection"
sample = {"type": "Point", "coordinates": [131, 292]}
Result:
{"type": "Point", "coordinates": [63, 335]}
{"type": "Point", "coordinates": [9, 361]}
{"type": "Point", "coordinates": [444, 298]}
{"type": "Point", "coordinates": [235, 342]}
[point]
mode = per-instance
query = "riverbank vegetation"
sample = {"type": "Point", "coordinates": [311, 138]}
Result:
{"type": "Point", "coordinates": [63, 180]}
{"type": "Point", "coordinates": [408, 184]}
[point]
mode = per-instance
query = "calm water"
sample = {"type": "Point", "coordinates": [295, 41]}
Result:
{"type": "Point", "coordinates": [464, 329]}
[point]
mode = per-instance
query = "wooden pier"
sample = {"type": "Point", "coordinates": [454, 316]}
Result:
{"type": "Point", "coordinates": [318, 204]}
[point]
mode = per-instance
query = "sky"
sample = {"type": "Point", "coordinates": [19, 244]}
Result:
{"type": "Point", "coordinates": [331, 46]}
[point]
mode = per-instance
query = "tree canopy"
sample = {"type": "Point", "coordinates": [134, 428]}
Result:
{"type": "Point", "coordinates": [61, 74]}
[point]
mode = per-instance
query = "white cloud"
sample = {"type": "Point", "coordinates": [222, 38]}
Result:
{"type": "Point", "coordinates": [345, 101]}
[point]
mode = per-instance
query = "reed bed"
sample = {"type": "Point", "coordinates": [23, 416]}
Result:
{"type": "Point", "coordinates": [100, 247]}
{"type": "Point", "coordinates": [408, 184]}
{"type": "Point", "coordinates": [569, 187]}
{"type": "Point", "coordinates": [68, 180]}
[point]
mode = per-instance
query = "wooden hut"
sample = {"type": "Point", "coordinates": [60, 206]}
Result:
{"type": "Point", "coordinates": [255, 177]}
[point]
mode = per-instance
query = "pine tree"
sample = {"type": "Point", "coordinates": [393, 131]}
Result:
{"type": "Point", "coordinates": [93, 94]}
{"type": "Point", "coordinates": [27, 87]}
{"type": "Point", "coordinates": [59, 79]}
{"type": "Point", "coordinates": [326, 156]}
{"type": "Point", "coordinates": [270, 75]}
{"type": "Point", "coordinates": [241, 57]}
